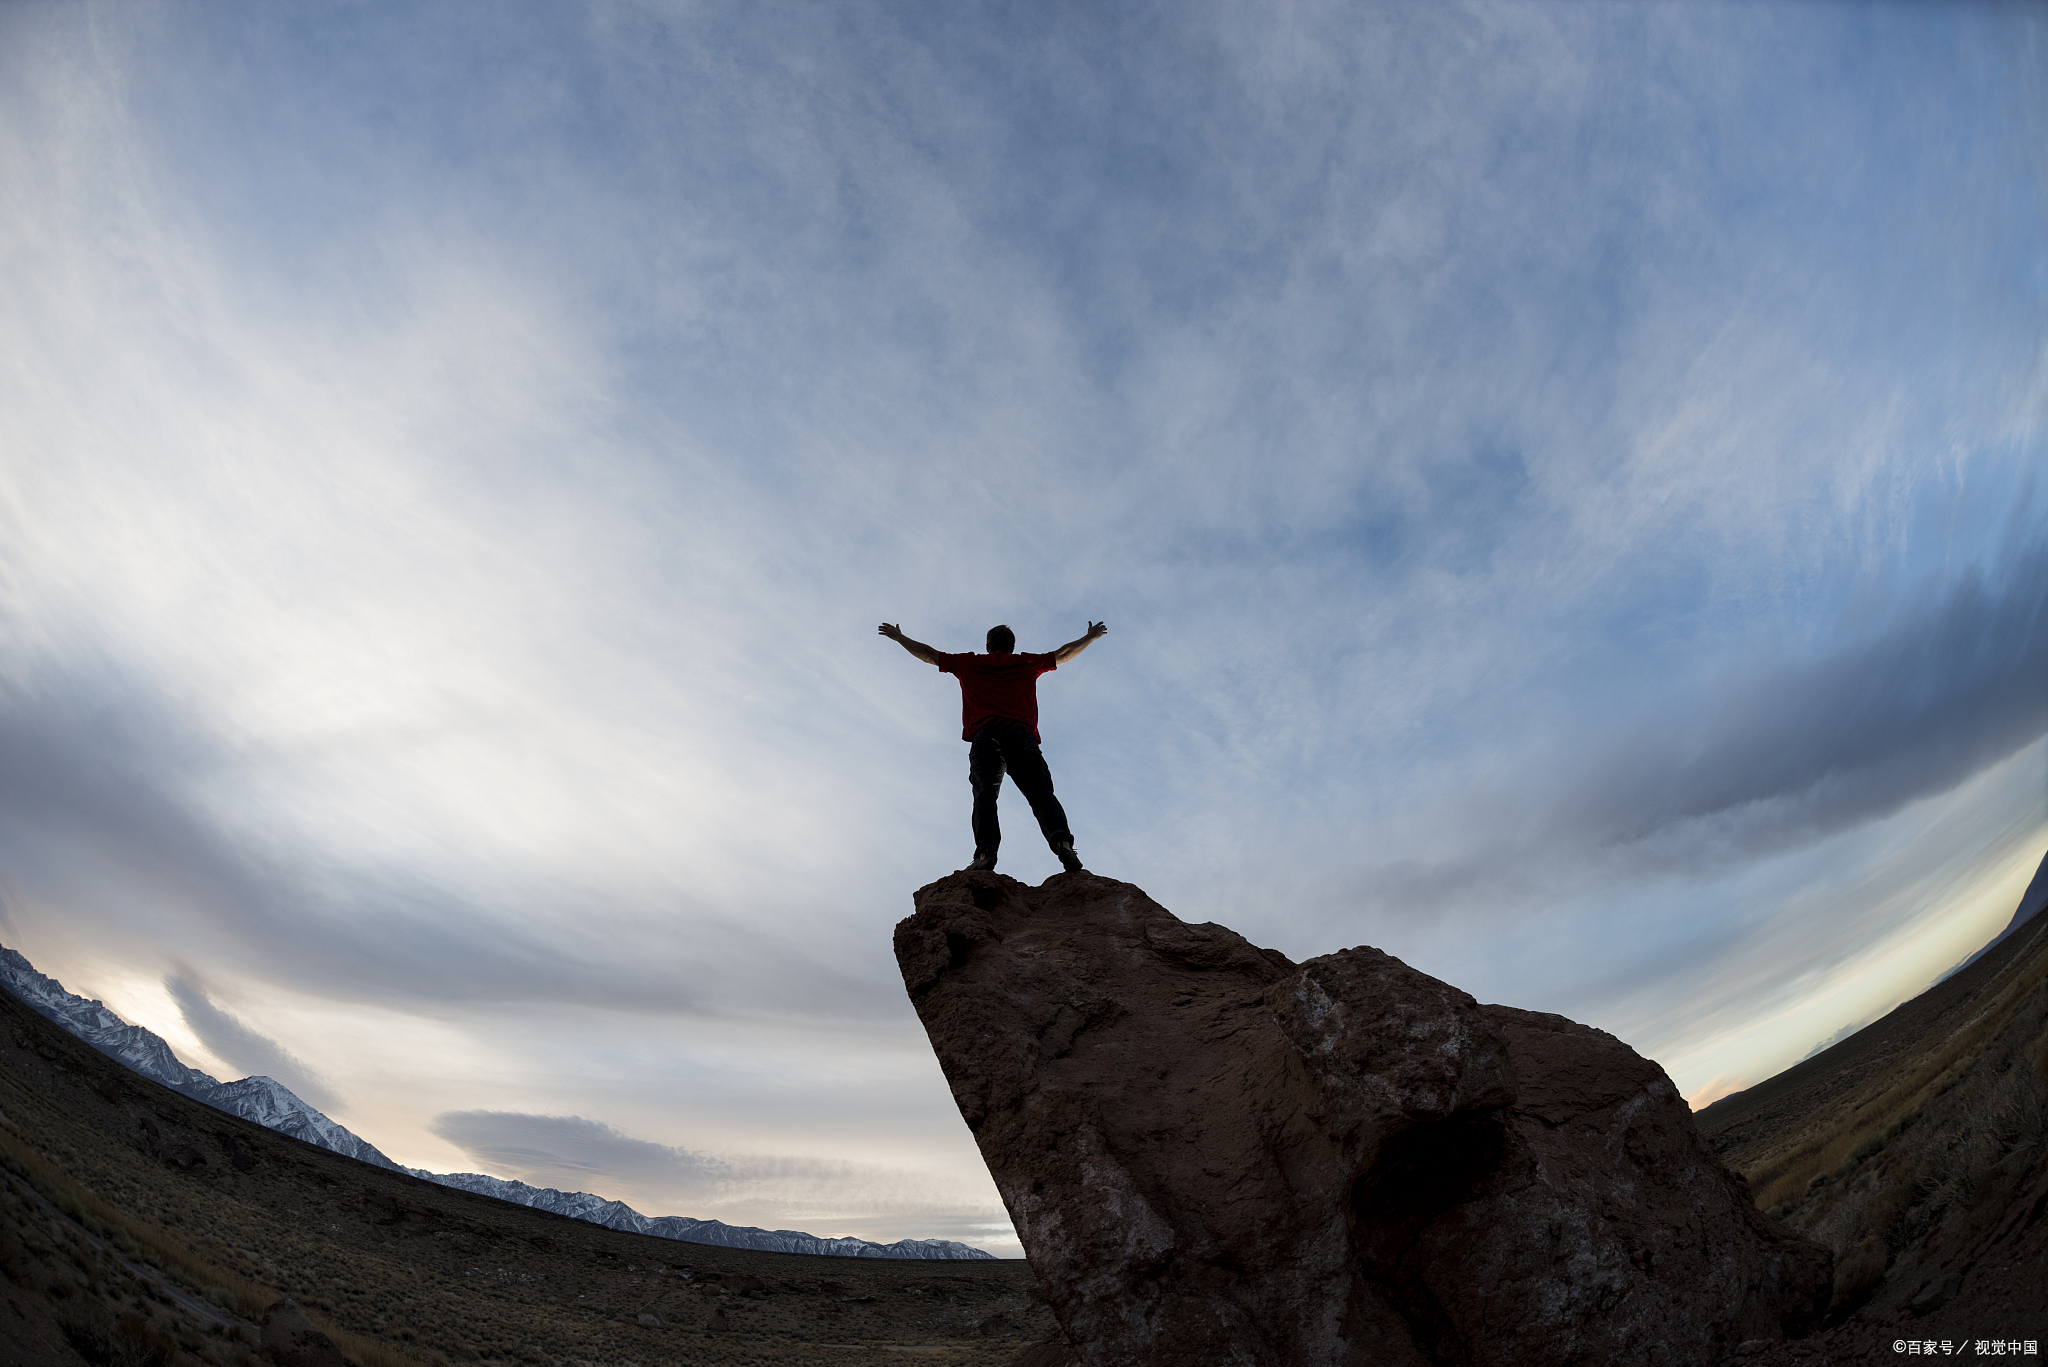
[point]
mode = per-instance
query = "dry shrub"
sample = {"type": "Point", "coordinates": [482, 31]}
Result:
{"type": "Point", "coordinates": [1944, 1149]}
{"type": "Point", "coordinates": [144, 1242]}
{"type": "Point", "coordinates": [1839, 1149]}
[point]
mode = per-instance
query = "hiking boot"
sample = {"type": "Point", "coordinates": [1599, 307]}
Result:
{"type": "Point", "coordinates": [984, 862]}
{"type": "Point", "coordinates": [1069, 861]}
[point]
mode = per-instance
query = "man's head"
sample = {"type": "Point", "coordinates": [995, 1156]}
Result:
{"type": "Point", "coordinates": [1001, 640]}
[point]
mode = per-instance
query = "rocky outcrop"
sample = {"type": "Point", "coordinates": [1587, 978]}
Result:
{"type": "Point", "coordinates": [1215, 1155]}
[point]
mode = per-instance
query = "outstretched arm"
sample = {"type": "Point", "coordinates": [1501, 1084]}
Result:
{"type": "Point", "coordinates": [1075, 647]}
{"type": "Point", "coordinates": [917, 648]}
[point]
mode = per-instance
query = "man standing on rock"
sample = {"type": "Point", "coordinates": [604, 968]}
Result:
{"type": "Point", "coordinates": [999, 720]}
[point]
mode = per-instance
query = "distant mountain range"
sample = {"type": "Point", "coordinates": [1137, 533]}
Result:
{"type": "Point", "coordinates": [582, 1205]}
{"type": "Point", "coordinates": [261, 1099]}
{"type": "Point", "coordinates": [270, 1103]}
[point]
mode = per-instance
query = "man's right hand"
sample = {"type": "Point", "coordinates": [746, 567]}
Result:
{"type": "Point", "coordinates": [917, 648]}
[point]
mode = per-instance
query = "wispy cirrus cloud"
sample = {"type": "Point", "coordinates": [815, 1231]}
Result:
{"type": "Point", "coordinates": [1770, 755]}
{"type": "Point", "coordinates": [1538, 463]}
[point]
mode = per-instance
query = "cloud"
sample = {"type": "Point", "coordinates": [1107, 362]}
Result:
{"type": "Point", "coordinates": [103, 783]}
{"type": "Point", "coordinates": [454, 471]}
{"type": "Point", "coordinates": [827, 1197]}
{"type": "Point", "coordinates": [116, 795]}
{"type": "Point", "coordinates": [1771, 756]}
{"type": "Point", "coordinates": [1952, 685]}
{"type": "Point", "coordinates": [85, 764]}
{"type": "Point", "coordinates": [243, 1048]}
{"type": "Point", "coordinates": [571, 1153]}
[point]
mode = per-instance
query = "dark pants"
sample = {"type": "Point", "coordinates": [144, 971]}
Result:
{"type": "Point", "coordinates": [1004, 744]}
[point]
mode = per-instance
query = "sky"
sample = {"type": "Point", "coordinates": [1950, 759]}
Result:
{"type": "Point", "coordinates": [1564, 482]}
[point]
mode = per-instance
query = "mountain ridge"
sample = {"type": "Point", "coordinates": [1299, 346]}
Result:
{"type": "Point", "coordinates": [2031, 901]}
{"type": "Point", "coordinates": [269, 1103]}
{"type": "Point", "coordinates": [598, 1210]}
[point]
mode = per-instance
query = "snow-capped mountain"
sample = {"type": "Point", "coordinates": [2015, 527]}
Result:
{"type": "Point", "coordinates": [618, 1215]}
{"type": "Point", "coordinates": [270, 1103]}
{"type": "Point", "coordinates": [142, 1050]}
{"type": "Point", "coordinates": [264, 1100]}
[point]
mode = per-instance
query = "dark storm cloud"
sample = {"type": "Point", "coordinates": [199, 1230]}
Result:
{"type": "Point", "coordinates": [1953, 684]}
{"type": "Point", "coordinates": [88, 760]}
{"type": "Point", "coordinates": [244, 1049]}
{"type": "Point", "coordinates": [1775, 757]}
{"type": "Point", "coordinates": [571, 1153]}
{"type": "Point", "coordinates": [100, 786]}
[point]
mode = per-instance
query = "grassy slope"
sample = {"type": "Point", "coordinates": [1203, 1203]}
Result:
{"type": "Point", "coordinates": [119, 1247]}
{"type": "Point", "coordinates": [1918, 1150]}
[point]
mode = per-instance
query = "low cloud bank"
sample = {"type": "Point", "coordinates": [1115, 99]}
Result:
{"type": "Point", "coordinates": [824, 1197]}
{"type": "Point", "coordinates": [245, 1050]}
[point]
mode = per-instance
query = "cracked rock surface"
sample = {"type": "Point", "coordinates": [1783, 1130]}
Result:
{"type": "Point", "coordinates": [1216, 1155]}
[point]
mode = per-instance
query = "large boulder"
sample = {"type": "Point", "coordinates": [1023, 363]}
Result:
{"type": "Point", "coordinates": [1215, 1155]}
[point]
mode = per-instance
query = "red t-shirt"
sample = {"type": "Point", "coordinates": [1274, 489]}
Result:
{"type": "Point", "coordinates": [997, 686]}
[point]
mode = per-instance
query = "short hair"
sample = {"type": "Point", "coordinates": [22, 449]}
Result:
{"type": "Point", "coordinates": [1001, 640]}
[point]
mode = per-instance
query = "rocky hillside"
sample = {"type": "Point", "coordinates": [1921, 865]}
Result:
{"type": "Point", "coordinates": [264, 1100]}
{"type": "Point", "coordinates": [271, 1104]}
{"type": "Point", "coordinates": [140, 1227]}
{"type": "Point", "coordinates": [1917, 1149]}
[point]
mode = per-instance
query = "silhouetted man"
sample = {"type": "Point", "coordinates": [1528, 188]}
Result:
{"type": "Point", "coordinates": [999, 720]}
